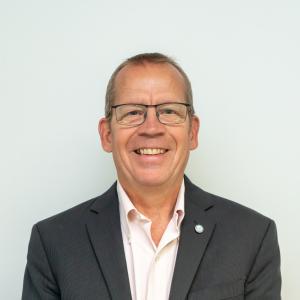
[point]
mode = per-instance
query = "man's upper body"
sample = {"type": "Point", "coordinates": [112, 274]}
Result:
{"type": "Point", "coordinates": [154, 235]}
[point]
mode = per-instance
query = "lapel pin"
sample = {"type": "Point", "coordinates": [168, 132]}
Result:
{"type": "Point", "coordinates": [199, 228]}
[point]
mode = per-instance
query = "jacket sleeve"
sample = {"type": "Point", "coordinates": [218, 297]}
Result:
{"type": "Point", "coordinates": [39, 282]}
{"type": "Point", "coordinates": [264, 279]}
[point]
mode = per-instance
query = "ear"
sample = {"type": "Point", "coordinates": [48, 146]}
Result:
{"type": "Point", "coordinates": [194, 130]}
{"type": "Point", "coordinates": [104, 130]}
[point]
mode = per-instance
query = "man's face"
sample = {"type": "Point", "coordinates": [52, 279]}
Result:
{"type": "Point", "coordinates": [149, 84]}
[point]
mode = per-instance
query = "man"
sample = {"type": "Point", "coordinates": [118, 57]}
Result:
{"type": "Point", "coordinates": [153, 234]}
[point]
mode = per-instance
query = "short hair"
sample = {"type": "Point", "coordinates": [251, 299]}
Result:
{"type": "Point", "coordinates": [140, 59]}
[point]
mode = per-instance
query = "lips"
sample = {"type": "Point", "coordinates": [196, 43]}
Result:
{"type": "Point", "coordinates": [150, 151]}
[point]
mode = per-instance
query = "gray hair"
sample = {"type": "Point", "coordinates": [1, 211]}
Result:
{"type": "Point", "coordinates": [140, 59]}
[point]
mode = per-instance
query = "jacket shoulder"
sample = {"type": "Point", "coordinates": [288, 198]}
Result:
{"type": "Point", "coordinates": [225, 210]}
{"type": "Point", "coordinates": [77, 214]}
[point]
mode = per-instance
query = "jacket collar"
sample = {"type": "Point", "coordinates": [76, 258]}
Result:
{"type": "Point", "coordinates": [104, 230]}
{"type": "Point", "coordinates": [192, 244]}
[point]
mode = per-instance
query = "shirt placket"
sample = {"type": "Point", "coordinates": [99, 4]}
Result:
{"type": "Point", "coordinates": [155, 289]}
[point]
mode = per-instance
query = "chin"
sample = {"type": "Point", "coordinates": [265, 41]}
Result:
{"type": "Point", "coordinates": [151, 180]}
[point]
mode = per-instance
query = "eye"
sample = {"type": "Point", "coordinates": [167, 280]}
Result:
{"type": "Point", "coordinates": [167, 111]}
{"type": "Point", "coordinates": [135, 113]}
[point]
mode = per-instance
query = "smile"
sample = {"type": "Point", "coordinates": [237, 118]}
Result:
{"type": "Point", "coordinates": [150, 151]}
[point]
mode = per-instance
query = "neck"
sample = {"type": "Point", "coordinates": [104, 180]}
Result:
{"type": "Point", "coordinates": [156, 203]}
{"type": "Point", "coordinates": [150, 200]}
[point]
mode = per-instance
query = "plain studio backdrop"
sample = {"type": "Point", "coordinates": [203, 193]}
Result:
{"type": "Point", "coordinates": [56, 58]}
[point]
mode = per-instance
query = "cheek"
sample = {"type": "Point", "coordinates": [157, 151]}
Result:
{"type": "Point", "coordinates": [183, 143]}
{"type": "Point", "coordinates": [120, 144]}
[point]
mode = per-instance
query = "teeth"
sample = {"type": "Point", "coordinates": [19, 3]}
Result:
{"type": "Point", "coordinates": [151, 151]}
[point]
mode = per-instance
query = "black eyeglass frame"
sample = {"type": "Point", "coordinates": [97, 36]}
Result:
{"type": "Point", "coordinates": [187, 105]}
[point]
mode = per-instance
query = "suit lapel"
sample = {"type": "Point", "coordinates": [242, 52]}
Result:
{"type": "Point", "coordinates": [192, 245]}
{"type": "Point", "coordinates": [104, 229]}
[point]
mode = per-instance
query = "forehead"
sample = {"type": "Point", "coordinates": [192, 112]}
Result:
{"type": "Point", "coordinates": [150, 79]}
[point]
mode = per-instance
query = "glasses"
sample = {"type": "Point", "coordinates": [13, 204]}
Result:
{"type": "Point", "coordinates": [167, 113]}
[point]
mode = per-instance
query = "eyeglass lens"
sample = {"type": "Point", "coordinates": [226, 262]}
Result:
{"type": "Point", "coordinates": [168, 113]}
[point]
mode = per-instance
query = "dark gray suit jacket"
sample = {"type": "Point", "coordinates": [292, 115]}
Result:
{"type": "Point", "coordinates": [79, 254]}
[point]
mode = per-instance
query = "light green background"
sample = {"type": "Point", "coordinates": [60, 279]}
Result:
{"type": "Point", "coordinates": [56, 58]}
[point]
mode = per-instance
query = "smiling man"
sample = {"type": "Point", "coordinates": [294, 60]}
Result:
{"type": "Point", "coordinates": [153, 234]}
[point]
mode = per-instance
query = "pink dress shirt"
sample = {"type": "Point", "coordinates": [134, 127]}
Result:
{"type": "Point", "coordinates": [150, 267]}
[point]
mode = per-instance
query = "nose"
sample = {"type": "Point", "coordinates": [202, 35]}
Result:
{"type": "Point", "coordinates": [151, 125]}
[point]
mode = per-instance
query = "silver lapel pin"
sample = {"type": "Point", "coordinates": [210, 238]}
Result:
{"type": "Point", "coordinates": [199, 228]}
